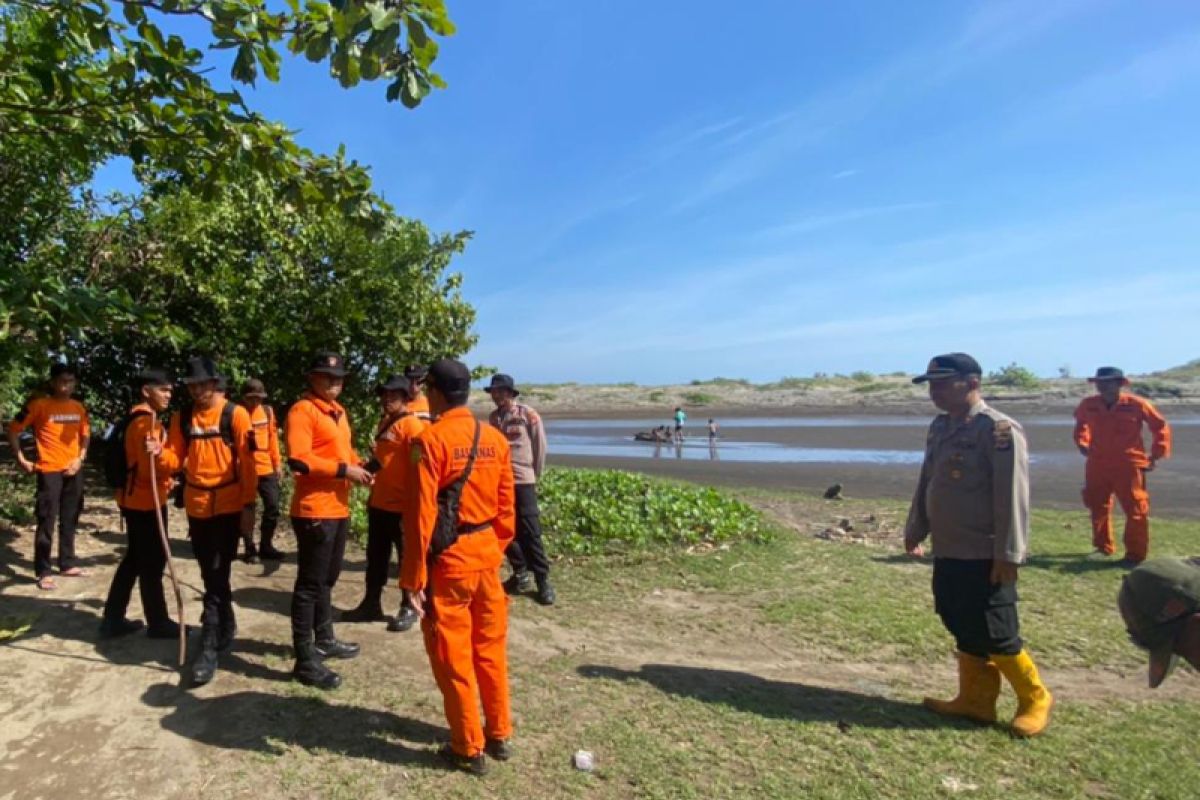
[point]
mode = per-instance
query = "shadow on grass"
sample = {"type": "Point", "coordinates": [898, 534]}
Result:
{"type": "Point", "coordinates": [268, 723]}
{"type": "Point", "coordinates": [1074, 564]}
{"type": "Point", "coordinates": [181, 549]}
{"type": "Point", "coordinates": [777, 699]}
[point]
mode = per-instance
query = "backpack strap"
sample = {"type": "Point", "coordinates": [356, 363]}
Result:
{"type": "Point", "coordinates": [447, 528]}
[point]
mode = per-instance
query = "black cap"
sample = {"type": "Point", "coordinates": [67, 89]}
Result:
{"type": "Point", "coordinates": [950, 365]}
{"type": "Point", "coordinates": [1109, 374]}
{"type": "Point", "coordinates": [328, 362]}
{"type": "Point", "coordinates": [416, 373]}
{"type": "Point", "coordinates": [254, 388]}
{"type": "Point", "coordinates": [199, 370]}
{"type": "Point", "coordinates": [449, 377]}
{"type": "Point", "coordinates": [502, 381]}
{"type": "Point", "coordinates": [396, 383]}
{"type": "Point", "coordinates": [151, 376]}
{"type": "Point", "coordinates": [61, 368]}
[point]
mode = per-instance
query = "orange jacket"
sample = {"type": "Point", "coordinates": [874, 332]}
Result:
{"type": "Point", "coordinates": [439, 456]}
{"type": "Point", "coordinates": [266, 440]}
{"type": "Point", "coordinates": [1114, 435]}
{"type": "Point", "coordinates": [60, 428]}
{"type": "Point", "coordinates": [213, 486]}
{"type": "Point", "coordinates": [420, 407]}
{"type": "Point", "coordinates": [320, 448]}
{"type": "Point", "coordinates": [392, 447]}
{"type": "Point", "coordinates": [135, 495]}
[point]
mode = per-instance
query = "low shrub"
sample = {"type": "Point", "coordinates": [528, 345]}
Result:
{"type": "Point", "coordinates": [656, 396]}
{"type": "Point", "coordinates": [699, 398]}
{"type": "Point", "coordinates": [589, 512]}
{"type": "Point", "coordinates": [1015, 376]}
{"type": "Point", "coordinates": [874, 386]}
{"type": "Point", "coordinates": [1155, 389]}
{"type": "Point", "coordinates": [862, 376]}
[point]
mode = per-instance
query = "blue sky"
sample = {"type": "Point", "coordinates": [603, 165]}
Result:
{"type": "Point", "coordinates": [666, 191]}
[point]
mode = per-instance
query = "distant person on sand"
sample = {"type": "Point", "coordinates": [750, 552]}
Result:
{"type": "Point", "coordinates": [1108, 433]}
{"type": "Point", "coordinates": [712, 431]}
{"type": "Point", "coordinates": [680, 419]}
{"type": "Point", "coordinates": [973, 497]}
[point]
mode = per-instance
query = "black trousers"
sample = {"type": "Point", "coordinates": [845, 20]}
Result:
{"type": "Point", "coordinates": [385, 533]}
{"type": "Point", "coordinates": [980, 615]}
{"type": "Point", "coordinates": [526, 551]}
{"type": "Point", "coordinates": [143, 562]}
{"type": "Point", "coordinates": [214, 543]}
{"type": "Point", "coordinates": [59, 498]}
{"type": "Point", "coordinates": [321, 543]}
{"type": "Point", "coordinates": [268, 491]}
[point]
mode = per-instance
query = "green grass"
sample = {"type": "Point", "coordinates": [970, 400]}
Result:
{"type": "Point", "coordinates": [699, 398]}
{"type": "Point", "coordinates": [873, 387]}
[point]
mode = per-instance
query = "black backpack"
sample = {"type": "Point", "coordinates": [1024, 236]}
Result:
{"type": "Point", "coordinates": [117, 471]}
{"type": "Point", "coordinates": [224, 431]}
{"type": "Point", "coordinates": [447, 530]}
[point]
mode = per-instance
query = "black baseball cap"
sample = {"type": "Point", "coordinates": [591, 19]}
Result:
{"type": "Point", "coordinates": [1109, 374]}
{"type": "Point", "coordinates": [329, 363]}
{"type": "Point", "coordinates": [416, 372]}
{"type": "Point", "coordinates": [151, 376]}
{"type": "Point", "coordinates": [396, 383]}
{"type": "Point", "coordinates": [449, 376]}
{"type": "Point", "coordinates": [950, 365]}
{"type": "Point", "coordinates": [1156, 600]}
{"type": "Point", "coordinates": [502, 381]}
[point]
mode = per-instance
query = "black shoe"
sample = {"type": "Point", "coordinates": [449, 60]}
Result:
{"type": "Point", "coordinates": [205, 665]}
{"type": "Point", "coordinates": [498, 749]}
{"type": "Point", "coordinates": [115, 628]}
{"type": "Point", "coordinates": [310, 670]}
{"type": "Point", "coordinates": [332, 648]}
{"type": "Point", "coordinates": [165, 630]}
{"type": "Point", "coordinates": [476, 765]}
{"type": "Point", "coordinates": [250, 557]}
{"type": "Point", "coordinates": [366, 611]}
{"type": "Point", "coordinates": [519, 583]}
{"type": "Point", "coordinates": [545, 593]}
{"type": "Point", "coordinates": [403, 620]}
{"type": "Point", "coordinates": [268, 552]}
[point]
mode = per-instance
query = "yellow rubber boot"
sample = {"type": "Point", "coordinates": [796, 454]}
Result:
{"type": "Point", "coordinates": [1033, 698]}
{"type": "Point", "coordinates": [978, 690]}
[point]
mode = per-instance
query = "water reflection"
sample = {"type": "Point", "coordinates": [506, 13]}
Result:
{"type": "Point", "coordinates": [690, 450]}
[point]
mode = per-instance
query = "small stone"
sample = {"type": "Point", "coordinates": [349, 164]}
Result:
{"type": "Point", "coordinates": [583, 761]}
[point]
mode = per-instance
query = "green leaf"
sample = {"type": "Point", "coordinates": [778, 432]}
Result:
{"type": "Point", "coordinates": [133, 13]}
{"type": "Point", "coordinates": [410, 93]}
{"type": "Point", "coordinates": [244, 68]}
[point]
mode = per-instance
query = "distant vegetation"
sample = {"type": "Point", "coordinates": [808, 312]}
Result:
{"type": "Point", "coordinates": [1188, 371]}
{"type": "Point", "coordinates": [1155, 389]}
{"type": "Point", "coordinates": [699, 398]}
{"type": "Point", "coordinates": [1014, 376]}
{"type": "Point", "coordinates": [723, 382]}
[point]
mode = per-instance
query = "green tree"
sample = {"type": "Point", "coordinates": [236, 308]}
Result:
{"type": "Point", "coordinates": [1015, 376]}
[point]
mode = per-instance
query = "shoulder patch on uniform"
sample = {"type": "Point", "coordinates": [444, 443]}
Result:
{"type": "Point", "coordinates": [1002, 434]}
{"type": "Point", "coordinates": [416, 451]}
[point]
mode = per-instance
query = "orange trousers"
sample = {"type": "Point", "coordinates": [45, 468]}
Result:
{"type": "Point", "coordinates": [1128, 482]}
{"type": "Point", "coordinates": [466, 639]}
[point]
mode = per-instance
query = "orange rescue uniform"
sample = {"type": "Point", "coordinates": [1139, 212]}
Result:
{"type": "Point", "coordinates": [136, 494]}
{"type": "Point", "coordinates": [392, 451]}
{"type": "Point", "coordinates": [466, 618]}
{"type": "Point", "coordinates": [419, 405]}
{"type": "Point", "coordinates": [1116, 463]}
{"type": "Point", "coordinates": [319, 451]}
{"type": "Point", "coordinates": [266, 440]}
{"type": "Point", "coordinates": [60, 428]}
{"type": "Point", "coordinates": [219, 479]}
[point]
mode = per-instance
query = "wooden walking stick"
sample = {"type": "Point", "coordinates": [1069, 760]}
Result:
{"type": "Point", "coordinates": [166, 543]}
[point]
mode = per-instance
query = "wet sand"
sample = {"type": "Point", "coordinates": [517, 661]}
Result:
{"type": "Point", "coordinates": [1057, 469]}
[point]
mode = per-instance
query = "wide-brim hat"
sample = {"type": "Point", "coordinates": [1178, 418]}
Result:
{"type": "Point", "coordinates": [1156, 601]}
{"type": "Point", "coordinates": [254, 388]}
{"type": "Point", "coordinates": [396, 383]}
{"type": "Point", "coordinates": [949, 365]}
{"type": "Point", "coordinates": [502, 381]}
{"type": "Point", "coordinates": [329, 363]}
{"type": "Point", "coordinates": [1109, 374]}
{"type": "Point", "coordinates": [200, 369]}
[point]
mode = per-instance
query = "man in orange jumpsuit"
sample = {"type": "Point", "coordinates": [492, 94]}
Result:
{"type": "Point", "coordinates": [451, 565]}
{"type": "Point", "coordinates": [324, 465]}
{"type": "Point", "coordinates": [1108, 432]}
{"type": "Point", "coordinates": [419, 404]}
{"type": "Point", "coordinates": [397, 429]}
{"type": "Point", "coordinates": [267, 465]}
{"type": "Point", "coordinates": [62, 432]}
{"type": "Point", "coordinates": [211, 438]}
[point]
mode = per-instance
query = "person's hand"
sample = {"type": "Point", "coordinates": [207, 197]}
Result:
{"type": "Point", "coordinates": [1083, 451]}
{"type": "Point", "coordinates": [356, 474]}
{"type": "Point", "coordinates": [1150, 467]}
{"type": "Point", "coordinates": [1003, 572]}
{"type": "Point", "coordinates": [153, 445]}
{"type": "Point", "coordinates": [278, 473]}
{"type": "Point", "coordinates": [25, 464]}
{"type": "Point", "coordinates": [916, 551]}
{"type": "Point", "coordinates": [417, 601]}
{"type": "Point", "coordinates": [74, 467]}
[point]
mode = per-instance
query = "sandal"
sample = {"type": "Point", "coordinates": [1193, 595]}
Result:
{"type": "Point", "coordinates": [46, 583]}
{"type": "Point", "coordinates": [73, 572]}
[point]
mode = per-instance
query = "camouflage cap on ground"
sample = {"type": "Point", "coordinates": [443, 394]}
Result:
{"type": "Point", "coordinates": [1156, 600]}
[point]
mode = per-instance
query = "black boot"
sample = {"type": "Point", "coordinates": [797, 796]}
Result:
{"type": "Point", "coordinates": [228, 631]}
{"type": "Point", "coordinates": [114, 628]}
{"type": "Point", "coordinates": [519, 583]}
{"type": "Point", "coordinates": [311, 671]}
{"type": "Point", "coordinates": [369, 610]}
{"type": "Point", "coordinates": [251, 554]}
{"type": "Point", "coordinates": [403, 620]}
{"type": "Point", "coordinates": [328, 645]}
{"type": "Point", "coordinates": [205, 665]}
{"type": "Point", "coordinates": [545, 592]}
{"type": "Point", "coordinates": [269, 552]}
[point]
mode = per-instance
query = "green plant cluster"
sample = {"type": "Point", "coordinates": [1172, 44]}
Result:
{"type": "Point", "coordinates": [1014, 376]}
{"type": "Point", "coordinates": [1156, 389]}
{"type": "Point", "coordinates": [699, 398]}
{"type": "Point", "coordinates": [588, 512]}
